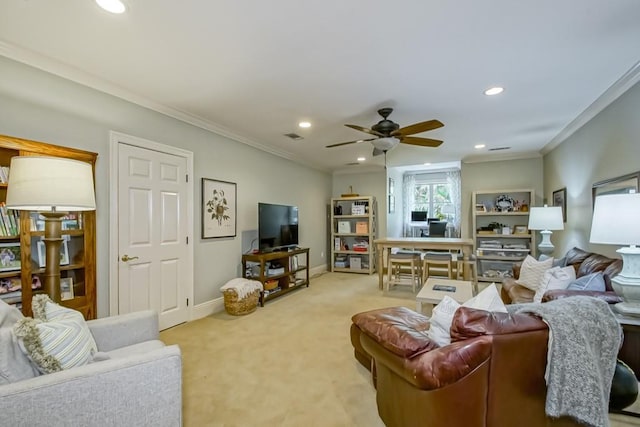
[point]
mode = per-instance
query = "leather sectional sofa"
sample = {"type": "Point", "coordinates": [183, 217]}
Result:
{"type": "Point", "coordinates": [583, 262]}
{"type": "Point", "coordinates": [492, 374]}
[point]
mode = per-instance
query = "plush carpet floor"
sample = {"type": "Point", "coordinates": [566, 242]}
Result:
{"type": "Point", "coordinates": [289, 363]}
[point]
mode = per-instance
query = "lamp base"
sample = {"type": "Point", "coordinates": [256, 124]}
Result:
{"type": "Point", "coordinates": [545, 246]}
{"type": "Point", "coordinates": [627, 283]}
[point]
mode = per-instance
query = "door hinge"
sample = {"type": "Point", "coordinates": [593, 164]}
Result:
{"type": "Point", "coordinates": [187, 177]}
{"type": "Point", "coordinates": [187, 302]}
{"type": "Point", "coordinates": [187, 238]}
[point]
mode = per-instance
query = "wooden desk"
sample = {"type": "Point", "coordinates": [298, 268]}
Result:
{"type": "Point", "coordinates": [419, 243]}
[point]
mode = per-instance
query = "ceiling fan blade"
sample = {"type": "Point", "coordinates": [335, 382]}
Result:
{"type": "Point", "coordinates": [349, 142]}
{"type": "Point", "coordinates": [366, 130]}
{"type": "Point", "coordinates": [418, 128]}
{"type": "Point", "coordinates": [422, 142]}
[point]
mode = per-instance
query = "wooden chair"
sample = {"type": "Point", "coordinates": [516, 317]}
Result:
{"type": "Point", "coordinates": [437, 259]}
{"type": "Point", "coordinates": [403, 267]}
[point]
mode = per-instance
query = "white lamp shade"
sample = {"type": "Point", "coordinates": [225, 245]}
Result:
{"type": "Point", "coordinates": [615, 219]}
{"type": "Point", "coordinates": [546, 218]}
{"type": "Point", "coordinates": [45, 183]}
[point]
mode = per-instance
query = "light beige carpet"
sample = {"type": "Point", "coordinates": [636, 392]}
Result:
{"type": "Point", "coordinates": [289, 363]}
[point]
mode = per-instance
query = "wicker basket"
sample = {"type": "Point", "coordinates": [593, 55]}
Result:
{"type": "Point", "coordinates": [239, 307]}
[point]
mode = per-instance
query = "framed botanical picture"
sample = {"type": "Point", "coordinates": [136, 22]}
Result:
{"type": "Point", "coordinates": [219, 216]}
{"type": "Point", "coordinates": [560, 199]}
{"type": "Point", "coordinates": [42, 253]}
{"type": "Point", "coordinates": [10, 256]}
{"type": "Point", "coordinates": [66, 288]}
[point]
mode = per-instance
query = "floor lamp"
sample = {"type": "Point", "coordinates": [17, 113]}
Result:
{"type": "Point", "coordinates": [546, 218]}
{"type": "Point", "coordinates": [615, 222]}
{"type": "Point", "coordinates": [53, 186]}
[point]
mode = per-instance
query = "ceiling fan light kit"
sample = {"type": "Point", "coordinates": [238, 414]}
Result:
{"type": "Point", "coordinates": [389, 134]}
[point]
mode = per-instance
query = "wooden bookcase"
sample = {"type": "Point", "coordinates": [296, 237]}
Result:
{"type": "Point", "coordinates": [353, 230]}
{"type": "Point", "coordinates": [79, 232]}
{"type": "Point", "coordinates": [289, 268]}
{"type": "Point", "coordinates": [497, 248]}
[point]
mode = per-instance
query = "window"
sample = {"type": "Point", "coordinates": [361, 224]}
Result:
{"type": "Point", "coordinates": [432, 194]}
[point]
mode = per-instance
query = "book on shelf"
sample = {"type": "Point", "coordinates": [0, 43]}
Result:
{"type": "Point", "coordinates": [344, 227]}
{"type": "Point", "coordinates": [362, 227]}
{"type": "Point", "coordinates": [4, 174]}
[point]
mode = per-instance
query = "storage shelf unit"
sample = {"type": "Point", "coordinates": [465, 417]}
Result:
{"type": "Point", "coordinates": [294, 272]}
{"type": "Point", "coordinates": [500, 233]}
{"type": "Point", "coordinates": [353, 229]}
{"type": "Point", "coordinates": [79, 269]}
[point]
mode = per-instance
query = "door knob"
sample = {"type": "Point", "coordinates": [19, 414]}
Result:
{"type": "Point", "coordinates": [126, 258]}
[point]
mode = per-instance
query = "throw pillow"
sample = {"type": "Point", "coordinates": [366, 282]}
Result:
{"type": "Point", "coordinates": [57, 339]}
{"type": "Point", "coordinates": [557, 262]}
{"type": "Point", "coordinates": [442, 315]}
{"type": "Point", "coordinates": [14, 365]}
{"type": "Point", "coordinates": [531, 272]}
{"type": "Point", "coordinates": [590, 282]}
{"type": "Point", "coordinates": [555, 278]}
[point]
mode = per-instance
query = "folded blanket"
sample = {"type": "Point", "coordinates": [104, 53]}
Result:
{"type": "Point", "coordinates": [243, 287]}
{"type": "Point", "coordinates": [584, 339]}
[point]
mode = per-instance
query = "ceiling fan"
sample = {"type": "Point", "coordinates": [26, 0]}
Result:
{"type": "Point", "coordinates": [388, 134]}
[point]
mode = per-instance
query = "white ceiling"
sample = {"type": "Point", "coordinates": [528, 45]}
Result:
{"type": "Point", "coordinates": [253, 69]}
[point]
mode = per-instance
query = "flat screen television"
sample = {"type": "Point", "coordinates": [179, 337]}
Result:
{"type": "Point", "coordinates": [277, 227]}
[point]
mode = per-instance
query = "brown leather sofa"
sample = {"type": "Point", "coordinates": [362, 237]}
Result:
{"type": "Point", "coordinates": [583, 262]}
{"type": "Point", "coordinates": [491, 375]}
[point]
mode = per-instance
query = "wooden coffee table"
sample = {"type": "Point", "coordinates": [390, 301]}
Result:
{"type": "Point", "coordinates": [463, 291]}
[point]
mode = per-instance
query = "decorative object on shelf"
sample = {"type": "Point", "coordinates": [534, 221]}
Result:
{"type": "Point", "coordinates": [615, 222]}
{"type": "Point", "coordinates": [520, 229]}
{"type": "Point", "coordinates": [10, 257]}
{"type": "Point", "coordinates": [546, 219]}
{"type": "Point", "coordinates": [350, 193]}
{"type": "Point", "coordinates": [505, 203]}
{"type": "Point", "coordinates": [560, 199]}
{"type": "Point", "coordinates": [480, 207]}
{"type": "Point", "coordinates": [218, 208]}
{"type": "Point", "coordinates": [64, 253]}
{"type": "Point", "coordinates": [66, 288]}
{"type": "Point", "coordinates": [51, 185]}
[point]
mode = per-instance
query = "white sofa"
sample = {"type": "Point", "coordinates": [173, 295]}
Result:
{"type": "Point", "coordinates": [140, 383]}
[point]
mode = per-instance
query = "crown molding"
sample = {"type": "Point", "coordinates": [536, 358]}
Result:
{"type": "Point", "coordinates": [83, 78]}
{"type": "Point", "coordinates": [623, 84]}
{"type": "Point", "coordinates": [484, 158]}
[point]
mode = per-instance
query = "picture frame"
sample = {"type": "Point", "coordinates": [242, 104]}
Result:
{"type": "Point", "coordinates": [391, 186]}
{"type": "Point", "coordinates": [219, 208]}
{"type": "Point", "coordinates": [10, 256]}
{"type": "Point", "coordinates": [559, 198]}
{"type": "Point", "coordinates": [520, 229]}
{"type": "Point", "coordinates": [618, 185]}
{"type": "Point", "coordinates": [66, 288]}
{"type": "Point", "coordinates": [480, 207]}
{"type": "Point", "coordinates": [392, 204]}
{"type": "Point", "coordinates": [42, 253]}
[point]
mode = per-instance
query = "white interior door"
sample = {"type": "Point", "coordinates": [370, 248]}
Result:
{"type": "Point", "coordinates": [152, 233]}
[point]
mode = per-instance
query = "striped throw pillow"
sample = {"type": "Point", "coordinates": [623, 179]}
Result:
{"type": "Point", "coordinates": [532, 271]}
{"type": "Point", "coordinates": [57, 339]}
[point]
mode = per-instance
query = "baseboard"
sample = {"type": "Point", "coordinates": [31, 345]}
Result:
{"type": "Point", "coordinates": [217, 305]}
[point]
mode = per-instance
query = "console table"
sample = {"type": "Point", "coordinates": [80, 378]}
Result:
{"type": "Point", "coordinates": [383, 246]}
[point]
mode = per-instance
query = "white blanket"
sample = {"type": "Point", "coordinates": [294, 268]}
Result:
{"type": "Point", "coordinates": [243, 287]}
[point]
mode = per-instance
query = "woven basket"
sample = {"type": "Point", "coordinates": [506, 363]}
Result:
{"type": "Point", "coordinates": [239, 307]}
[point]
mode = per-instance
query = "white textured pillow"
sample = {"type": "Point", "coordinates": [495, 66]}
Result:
{"type": "Point", "coordinates": [531, 272]}
{"type": "Point", "coordinates": [555, 278]}
{"type": "Point", "coordinates": [442, 316]}
{"type": "Point", "coordinates": [14, 365]}
{"type": "Point", "coordinates": [58, 339]}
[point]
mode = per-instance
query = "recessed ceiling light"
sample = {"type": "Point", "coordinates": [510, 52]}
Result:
{"type": "Point", "coordinates": [427, 164]}
{"type": "Point", "coordinates": [494, 90]}
{"type": "Point", "coordinates": [479, 146]}
{"type": "Point", "coordinates": [361, 159]}
{"type": "Point", "coordinates": [113, 6]}
{"type": "Point", "coordinates": [304, 124]}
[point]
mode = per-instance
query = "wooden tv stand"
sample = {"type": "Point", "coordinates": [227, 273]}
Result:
{"type": "Point", "coordinates": [293, 272]}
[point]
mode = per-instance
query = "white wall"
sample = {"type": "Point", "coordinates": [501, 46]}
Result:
{"type": "Point", "coordinates": [606, 147]}
{"type": "Point", "coordinates": [395, 219]}
{"type": "Point", "coordinates": [43, 107]}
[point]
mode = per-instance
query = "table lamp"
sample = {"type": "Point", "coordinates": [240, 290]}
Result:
{"type": "Point", "coordinates": [615, 222]}
{"type": "Point", "coordinates": [546, 218]}
{"type": "Point", "coordinates": [52, 186]}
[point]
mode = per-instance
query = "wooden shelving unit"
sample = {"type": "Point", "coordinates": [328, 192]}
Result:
{"type": "Point", "coordinates": [497, 249]}
{"type": "Point", "coordinates": [289, 268]}
{"type": "Point", "coordinates": [80, 268]}
{"type": "Point", "coordinates": [353, 222]}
